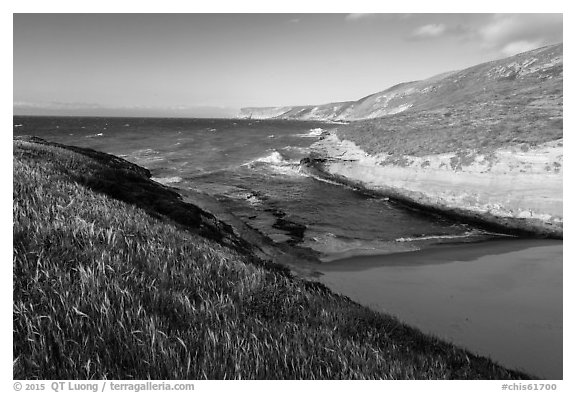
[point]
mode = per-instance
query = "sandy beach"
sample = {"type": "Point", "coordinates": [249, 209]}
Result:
{"type": "Point", "coordinates": [501, 298]}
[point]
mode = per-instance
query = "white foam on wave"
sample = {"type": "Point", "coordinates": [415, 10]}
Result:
{"type": "Point", "coordinates": [300, 149]}
{"type": "Point", "coordinates": [145, 152]}
{"type": "Point", "coordinates": [253, 200]}
{"type": "Point", "coordinates": [241, 194]}
{"type": "Point", "coordinates": [146, 156]}
{"type": "Point", "coordinates": [94, 135]}
{"type": "Point", "coordinates": [290, 170]}
{"type": "Point", "coordinates": [332, 247]}
{"type": "Point", "coordinates": [167, 180]}
{"type": "Point", "coordinates": [319, 178]}
{"type": "Point", "coordinates": [273, 158]}
{"type": "Point", "coordinates": [432, 237]}
{"type": "Point", "coordinates": [441, 237]}
{"type": "Point", "coordinates": [277, 163]}
{"type": "Point", "coordinates": [312, 133]}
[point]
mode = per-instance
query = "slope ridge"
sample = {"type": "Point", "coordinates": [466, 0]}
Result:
{"type": "Point", "coordinates": [538, 72]}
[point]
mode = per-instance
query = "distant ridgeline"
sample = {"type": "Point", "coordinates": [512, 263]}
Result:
{"type": "Point", "coordinates": [520, 74]}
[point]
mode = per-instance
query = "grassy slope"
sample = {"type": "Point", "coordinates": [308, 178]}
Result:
{"type": "Point", "coordinates": [109, 284]}
{"type": "Point", "coordinates": [482, 108]}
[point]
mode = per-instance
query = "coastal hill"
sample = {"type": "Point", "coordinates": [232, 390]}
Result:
{"type": "Point", "coordinates": [119, 277]}
{"type": "Point", "coordinates": [484, 144]}
{"type": "Point", "coordinates": [533, 78]}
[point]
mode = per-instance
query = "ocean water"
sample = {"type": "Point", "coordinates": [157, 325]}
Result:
{"type": "Point", "coordinates": [253, 168]}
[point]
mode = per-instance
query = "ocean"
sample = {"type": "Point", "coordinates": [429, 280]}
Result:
{"type": "Point", "coordinates": [446, 277]}
{"type": "Point", "coordinates": [253, 168]}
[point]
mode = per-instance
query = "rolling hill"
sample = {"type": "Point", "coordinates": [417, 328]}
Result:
{"type": "Point", "coordinates": [533, 78]}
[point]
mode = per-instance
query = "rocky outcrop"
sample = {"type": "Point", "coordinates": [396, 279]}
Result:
{"type": "Point", "coordinates": [483, 83]}
{"type": "Point", "coordinates": [515, 189]}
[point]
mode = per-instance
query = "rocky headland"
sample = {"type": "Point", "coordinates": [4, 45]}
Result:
{"type": "Point", "coordinates": [484, 144]}
{"type": "Point", "coordinates": [512, 189]}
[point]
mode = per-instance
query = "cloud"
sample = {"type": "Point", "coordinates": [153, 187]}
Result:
{"type": "Point", "coordinates": [437, 30]}
{"type": "Point", "coordinates": [381, 17]}
{"type": "Point", "coordinates": [515, 33]}
{"type": "Point", "coordinates": [429, 31]}
{"type": "Point", "coordinates": [89, 109]}
{"type": "Point", "coordinates": [507, 34]}
{"type": "Point", "coordinates": [356, 17]}
{"type": "Point", "coordinates": [295, 20]}
{"type": "Point", "coordinates": [520, 46]}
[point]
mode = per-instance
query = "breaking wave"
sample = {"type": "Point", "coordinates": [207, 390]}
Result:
{"type": "Point", "coordinates": [313, 133]}
{"type": "Point", "coordinates": [277, 163]}
{"type": "Point", "coordinates": [470, 234]}
{"type": "Point", "coordinates": [273, 158]}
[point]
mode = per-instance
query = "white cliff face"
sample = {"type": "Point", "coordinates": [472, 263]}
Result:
{"type": "Point", "coordinates": [262, 113]}
{"type": "Point", "coordinates": [521, 186]}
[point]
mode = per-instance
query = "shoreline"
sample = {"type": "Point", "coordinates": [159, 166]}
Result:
{"type": "Point", "coordinates": [422, 248]}
{"type": "Point", "coordinates": [439, 253]}
{"type": "Point", "coordinates": [519, 227]}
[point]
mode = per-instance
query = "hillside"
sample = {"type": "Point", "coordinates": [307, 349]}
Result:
{"type": "Point", "coordinates": [483, 144]}
{"type": "Point", "coordinates": [532, 78]}
{"type": "Point", "coordinates": [117, 277]}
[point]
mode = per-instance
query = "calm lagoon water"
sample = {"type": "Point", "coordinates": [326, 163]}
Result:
{"type": "Point", "coordinates": [502, 299]}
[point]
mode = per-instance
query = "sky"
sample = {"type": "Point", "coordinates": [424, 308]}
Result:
{"type": "Point", "coordinates": [211, 65]}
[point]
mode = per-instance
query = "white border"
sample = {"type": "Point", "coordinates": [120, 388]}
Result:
{"type": "Point", "coordinates": [295, 6]}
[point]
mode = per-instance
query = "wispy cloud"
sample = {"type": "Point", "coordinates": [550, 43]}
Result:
{"type": "Point", "coordinates": [507, 34]}
{"type": "Point", "coordinates": [438, 30]}
{"type": "Point", "coordinates": [514, 33]}
{"type": "Point", "coordinates": [520, 46]}
{"type": "Point", "coordinates": [429, 31]}
{"type": "Point", "coordinates": [356, 17]}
